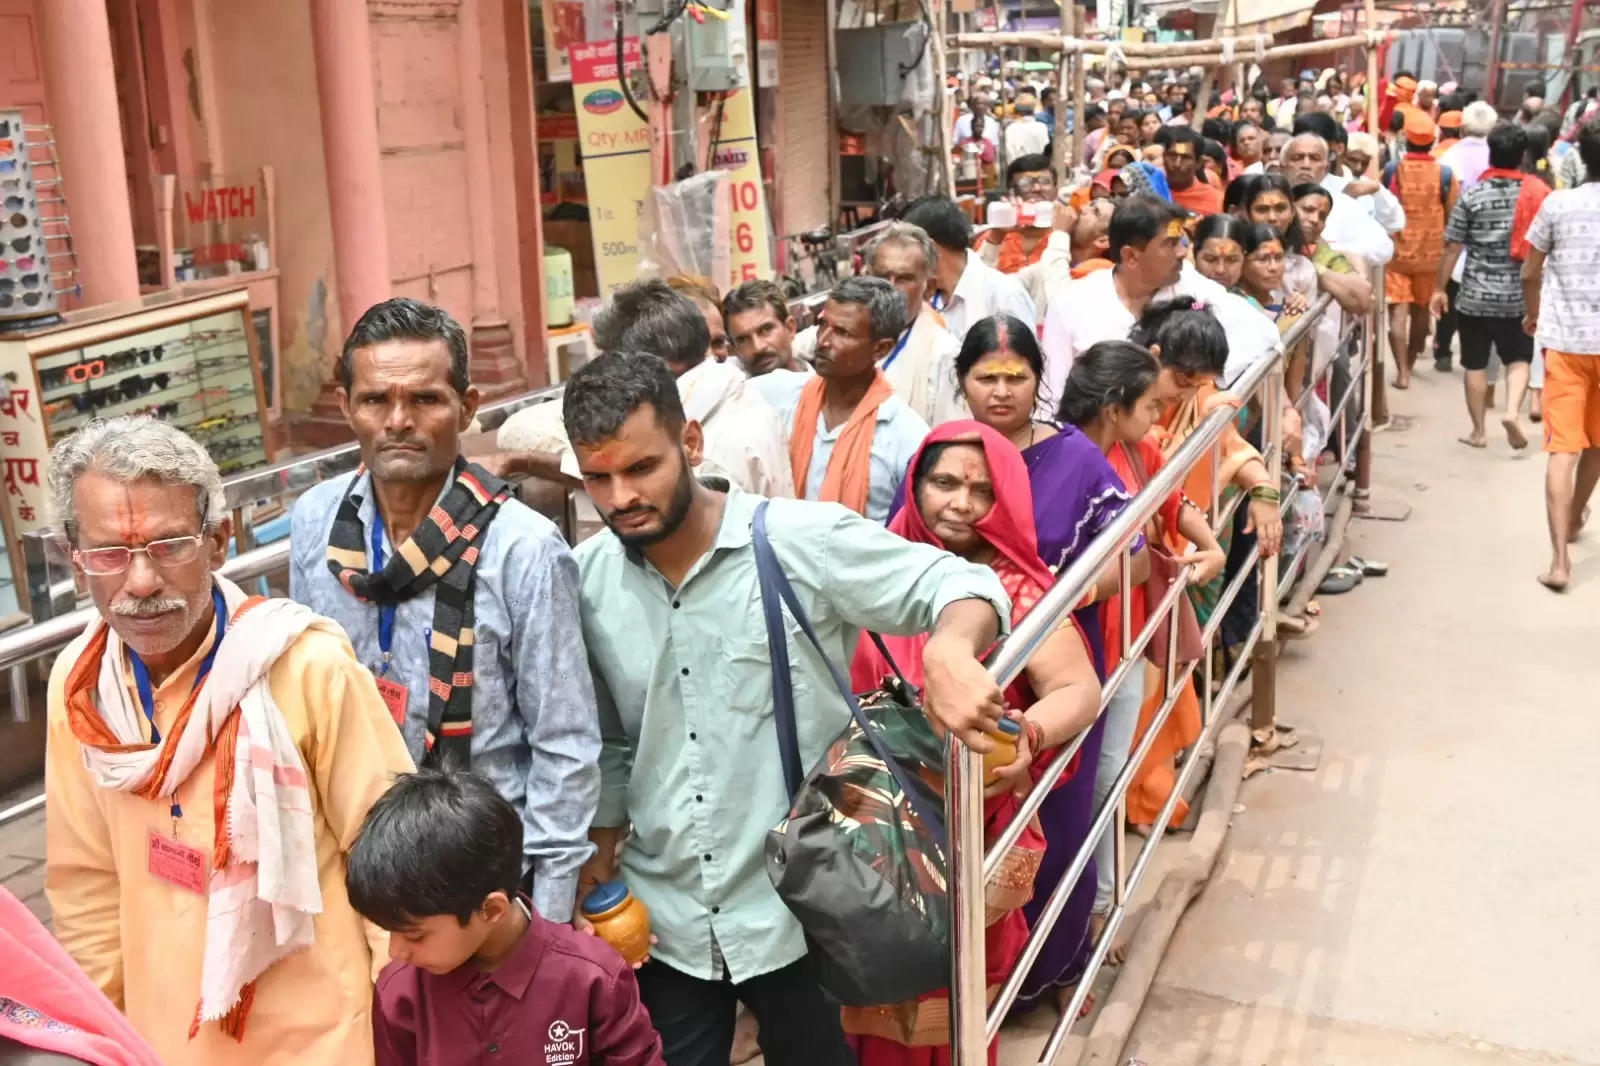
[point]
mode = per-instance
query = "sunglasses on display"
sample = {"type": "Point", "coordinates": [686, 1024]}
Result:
{"type": "Point", "coordinates": [77, 374]}
{"type": "Point", "coordinates": [29, 299]}
{"type": "Point", "coordinates": [215, 427]}
{"type": "Point", "coordinates": [22, 244]}
{"type": "Point", "coordinates": [165, 410]}
{"type": "Point", "coordinates": [94, 399]}
{"type": "Point", "coordinates": [27, 281]}
{"type": "Point", "coordinates": [22, 263]}
{"type": "Point", "coordinates": [11, 185]}
{"type": "Point", "coordinates": [238, 446]}
{"type": "Point", "coordinates": [223, 363]}
{"type": "Point", "coordinates": [20, 221]}
{"type": "Point", "coordinates": [173, 551]}
{"type": "Point", "coordinates": [139, 385]}
{"type": "Point", "coordinates": [15, 203]}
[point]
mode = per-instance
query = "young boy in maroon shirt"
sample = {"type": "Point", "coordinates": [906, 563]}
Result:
{"type": "Point", "coordinates": [476, 976]}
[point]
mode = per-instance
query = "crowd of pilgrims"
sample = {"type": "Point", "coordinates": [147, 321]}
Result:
{"type": "Point", "coordinates": [232, 862]}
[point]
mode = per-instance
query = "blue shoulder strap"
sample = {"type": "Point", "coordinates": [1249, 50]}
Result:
{"type": "Point", "coordinates": [777, 593]}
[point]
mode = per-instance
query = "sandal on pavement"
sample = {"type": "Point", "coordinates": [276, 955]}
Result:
{"type": "Point", "coordinates": [1296, 628]}
{"type": "Point", "coordinates": [1339, 581]}
{"type": "Point", "coordinates": [1369, 567]}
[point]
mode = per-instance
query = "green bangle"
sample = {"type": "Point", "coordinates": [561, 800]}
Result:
{"type": "Point", "coordinates": [1266, 493]}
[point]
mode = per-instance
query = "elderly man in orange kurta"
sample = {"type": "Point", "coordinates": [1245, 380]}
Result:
{"type": "Point", "coordinates": [210, 757]}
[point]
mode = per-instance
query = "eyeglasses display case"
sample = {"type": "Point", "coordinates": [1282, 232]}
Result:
{"type": "Point", "coordinates": [190, 361]}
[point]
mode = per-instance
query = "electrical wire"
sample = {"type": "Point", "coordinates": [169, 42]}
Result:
{"type": "Point", "coordinates": [622, 74]}
{"type": "Point", "coordinates": [668, 19]}
{"type": "Point", "coordinates": [905, 69]}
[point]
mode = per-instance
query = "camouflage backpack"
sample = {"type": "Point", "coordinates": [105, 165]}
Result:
{"type": "Point", "coordinates": [861, 858]}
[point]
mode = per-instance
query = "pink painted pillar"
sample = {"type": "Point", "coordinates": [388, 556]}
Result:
{"type": "Point", "coordinates": [342, 40]}
{"type": "Point", "coordinates": [75, 39]}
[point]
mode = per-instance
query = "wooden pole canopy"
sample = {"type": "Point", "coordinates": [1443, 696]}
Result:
{"type": "Point", "coordinates": [1253, 47]}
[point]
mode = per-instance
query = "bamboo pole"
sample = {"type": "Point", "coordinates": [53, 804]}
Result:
{"type": "Point", "coordinates": [1191, 52]}
{"type": "Point", "coordinates": [944, 113]}
{"type": "Point", "coordinates": [1079, 88]}
{"type": "Point", "coordinates": [1282, 51]}
{"type": "Point", "coordinates": [1066, 149]}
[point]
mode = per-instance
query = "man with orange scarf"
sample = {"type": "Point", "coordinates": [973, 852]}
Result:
{"type": "Point", "coordinates": [850, 437]}
{"type": "Point", "coordinates": [210, 758]}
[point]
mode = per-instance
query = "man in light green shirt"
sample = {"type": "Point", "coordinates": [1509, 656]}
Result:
{"type": "Point", "coordinates": [672, 618]}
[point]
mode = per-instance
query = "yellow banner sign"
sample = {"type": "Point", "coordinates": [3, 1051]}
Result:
{"type": "Point", "coordinates": [751, 255]}
{"type": "Point", "coordinates": [616, 157]}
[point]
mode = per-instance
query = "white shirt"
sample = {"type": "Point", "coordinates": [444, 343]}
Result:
{"type": "Point", "coordinates": [963, 131]}
{"type": "Point", "coordinates": [983, 291]}
{"type": "Point", "coordinates": [1382, 205]}
{"type": "Point", "coordinates": [922, 373]}
{"type": "Point", "coordinates": [1089, 310]}
{"type": "Point", "coordinates": [895, 439]}
{"type": "Point", "coordinates": [1353, 231]}
{"type": "Point", "coordinates": [1026, 136]}
{"type": "Point", "coordinates": [744, 439]}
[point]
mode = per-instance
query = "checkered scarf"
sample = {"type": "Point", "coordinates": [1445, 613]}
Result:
{"type": "Point", "coordinates": [442, 553]}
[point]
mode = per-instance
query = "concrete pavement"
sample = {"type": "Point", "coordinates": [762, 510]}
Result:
{"type": "Point", "coordinates": [1428, 896]}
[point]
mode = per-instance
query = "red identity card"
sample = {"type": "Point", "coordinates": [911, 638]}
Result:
{"type": "Point", "coordinates": [395, 697]}
{"type": "Point", "coordinates": [178, 864]}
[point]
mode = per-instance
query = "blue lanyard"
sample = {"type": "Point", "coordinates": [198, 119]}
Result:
{"type": "Point", "coordinates": [141, 676]}
{"type": "Point", "coordinates": [386, 613]}
{"type": "Point", "coordinates": [899, 346]}
{"type": "Point", "coordinates": [938, 301]}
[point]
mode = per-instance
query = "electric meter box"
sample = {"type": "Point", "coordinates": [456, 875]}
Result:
{"type": "Point", "coordinates": [874, 61]}
{"type": "Point", "coordinates": [718, 55]}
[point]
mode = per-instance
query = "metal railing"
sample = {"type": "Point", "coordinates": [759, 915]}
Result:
{"type": "Point", "coordinates": [970, 864]}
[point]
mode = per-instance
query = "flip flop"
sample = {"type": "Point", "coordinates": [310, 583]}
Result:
{"type": "Point", "coordinates": [1297, 628]}
{"type": "Point", "coordinates": [1339, 581]}
{"type": "Point", "coordinates": [1369, 567]}
{"type": "Point", "coordinates": [1469, 442]}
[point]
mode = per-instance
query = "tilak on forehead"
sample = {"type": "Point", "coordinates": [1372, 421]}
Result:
{"type": "Point", "coordinates": [1010, 367]}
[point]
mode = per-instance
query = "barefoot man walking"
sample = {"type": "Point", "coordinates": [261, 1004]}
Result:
{"type": "Point", "coordinates": [1558, 282]}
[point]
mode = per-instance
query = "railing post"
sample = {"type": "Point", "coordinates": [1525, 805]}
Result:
{"type": "Point", "coordinates": [1377, 333]}
{"type": "Point", "coordinates": [1264, 659]}
{"type": "Point", "coordinates": [964, 823]}
{"type": "Point", "coordinates": [1372, 386]}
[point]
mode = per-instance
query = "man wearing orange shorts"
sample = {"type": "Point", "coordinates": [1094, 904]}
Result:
{"type": "Point", "coordinates": [1560, 279]}
{"type": "Point", "coordinates": [1427, 191]}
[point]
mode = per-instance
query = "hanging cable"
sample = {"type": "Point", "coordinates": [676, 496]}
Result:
{"type": "Point", "coordinates": [668, 19]}
{"type": "Point", "coordinates": [905, 69]}
{"type": "Point", "coordinates": [622, 72]}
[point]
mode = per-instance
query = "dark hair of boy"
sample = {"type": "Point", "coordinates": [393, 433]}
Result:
{"type": "Point", "coordinates": [435, 843]}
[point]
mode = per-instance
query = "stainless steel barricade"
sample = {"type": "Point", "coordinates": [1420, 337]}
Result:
{"type": "Point", "coordinates": [973, 1026]}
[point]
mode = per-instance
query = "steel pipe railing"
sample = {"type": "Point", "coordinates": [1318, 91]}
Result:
{"type": "Point", "coordinates": [974, 1023]}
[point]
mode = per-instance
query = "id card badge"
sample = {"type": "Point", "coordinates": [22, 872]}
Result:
{"type": "Point", "coordinates": [177, 864]}
{"type": "Point", "coordinates": [395, 697]}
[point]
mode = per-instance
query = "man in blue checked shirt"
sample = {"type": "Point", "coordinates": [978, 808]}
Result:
{"type": "Point", "coordinates": [462, 601]}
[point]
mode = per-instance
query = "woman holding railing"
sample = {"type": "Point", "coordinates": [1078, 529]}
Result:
{"type": "Point", "coordinates": [970, 495]}
{"type": "Point", "coordinates": [1076, 495]}
{"type": "Point", "coordinates": [1113, 395]}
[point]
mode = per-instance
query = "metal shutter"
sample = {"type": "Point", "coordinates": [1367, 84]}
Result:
{"type": "Point", "coordinates": [804, 169]}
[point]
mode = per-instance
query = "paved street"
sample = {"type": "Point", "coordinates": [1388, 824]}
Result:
{"type": "Point", "coordinates": [1428, 896]}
